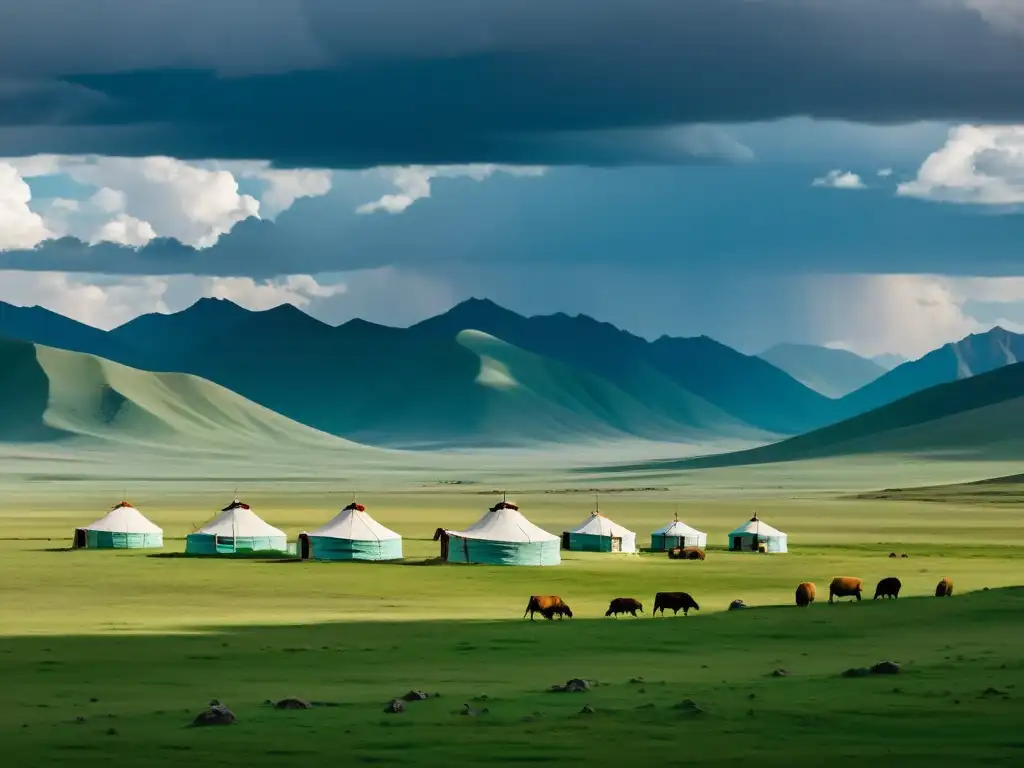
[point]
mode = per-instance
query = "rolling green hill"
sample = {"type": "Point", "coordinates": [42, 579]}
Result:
{"type": "Point", "coordinates": [981, 417]}
{"type": "Point", "coordinates": [49, 394]}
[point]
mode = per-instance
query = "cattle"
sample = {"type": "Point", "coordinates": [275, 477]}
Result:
{"type": "Point", "coordinates": [547, 606]}
{"type": "Point", "coordinates": [888, 587]}
{"type": "Point", "coordinates": [805, 593]}
{"type": "Point", "coordinates": [944, 588]}
{"type": "Point", "coordinates": [686, 553]}
{"type": "Point", "coordinates": [628, 605]}
{"type": "Point", "coordinates": [845, 586]}
{"type": "Point", "coordinates": [675, 601]}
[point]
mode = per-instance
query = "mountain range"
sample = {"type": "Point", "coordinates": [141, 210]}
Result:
{"type": "Point", "coordinates": [481, 375]}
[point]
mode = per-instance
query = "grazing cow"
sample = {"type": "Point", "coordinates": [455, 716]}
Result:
{"type": "Point", "coordinates": [676, 601]}
{"type": "Point", "coordinates": [892, 554]}
{"type": "Point", "coordinates": [547, 606]}
{"type": "Point", "coordinates": [686, 553]}
{"type": "Point", "coordinates": [845, 586]}
{"type": "Point", "coordinates": [888, 587]}
{"type": "Point", "coordinates": [944, 588]}
{"type": "Point", "coordinates": [624, 605]}
{"type": "Point", "coordinates": [805, 593]}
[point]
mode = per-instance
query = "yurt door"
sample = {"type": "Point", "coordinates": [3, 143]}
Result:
{"type": "Point", "coordinates": [565, 540]}
{"type": "Point", "coordinates": [304, 548]}
{"type": "Point", "coordinates": [616, 544]}
{"type": "Point", "coordinates": [81, 539]}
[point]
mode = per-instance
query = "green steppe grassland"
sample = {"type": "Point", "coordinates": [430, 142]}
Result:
{"type": "Point", "coordinates": [107, 656]}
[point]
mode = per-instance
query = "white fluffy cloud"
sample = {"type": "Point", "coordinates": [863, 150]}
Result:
{"type": "Point", "coordinates": [138, 199]}
{"type": "Point", "coordinates": [884, 173]}
{"type": "Point", "coordinates": [905, 314]}
{"type": "Point", "coordinates": [413, 182]}
{"type": "Point", "coordinates": [840, 180]}
{"type": "Point", "coordinates": [979, 164]}
{"type": "Point", "coordinates": [20, 227]}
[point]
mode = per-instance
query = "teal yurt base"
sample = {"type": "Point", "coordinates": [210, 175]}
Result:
{"type": "Point", "coordinates": [329, 548]}
{"type": "Point", "coordinates": [86, 539]}
{"type": "Point", "coordinates": [485, 552]}
{"type": "Point", "coordinates": [206, 544]}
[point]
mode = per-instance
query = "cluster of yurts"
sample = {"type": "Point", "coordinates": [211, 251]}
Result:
{"type": "Point", "coordinates": [503, 536]}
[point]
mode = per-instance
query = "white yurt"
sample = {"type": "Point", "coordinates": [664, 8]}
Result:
{"type": "Point", "coordinates": [599, 534]}
{"type": "Point", "coordinates": [351, 535]}
{"type": "Point", "coordinates": [755, 535]}
{"type": "Point", "coordinates": [501, 537]}
{"type": "Point", "coordinates": [123, 527]}
{"type": "Point", "coordinates": [677, 534]}
{"type": "Point", "coordinates": [236, 529]}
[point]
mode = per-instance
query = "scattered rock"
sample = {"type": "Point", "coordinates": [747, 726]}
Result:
{"type": "Point", "coordinates": [641, 690]}
{"type": "Point", "coordinates": [780, 673]}
{"type": "Point", "coordinates": [752, 696]}
{"type": "Point", "coordinates": [416, 696]}
{"type": "Point", "coordinates": [689, 706]}
{"type": "Point", "coordinates": [897, 690]}
{"type": "Point", "coordinates": [885, 668]}
{"type": "Point", "coordinates": [111, 732]}
{"type": "Point", "coordinates": [636, 681]}
{"type": "Point", "coordinates": [468, 711]}
{"type": "Point", "coordinates": [857, 672]}
{"type": "Point", "coordinates": [572, 686]}
{"type": "Point", "coordinates": [481, 697]}
{"type": "Point", "coordinates": [648, 705]}
{"type": "Point", "coordinates": [587, 710]}
{"type": "Point", "coordinates": [217, 714]}
{"type": "Point", "coordinates": [292, 703]}
{"type": "Point", "coordinates": [214, 703]}
{"type": "Point", "coordinates": [80, 719]}
{"type": "Point", "coordinates": [395, 706]}
{"type": "Point", "coordinates": [737, 605]}
{"type": "Point", "coordinates": [93, 701]}
{"type": "Point", "coordinates": [750, 713]}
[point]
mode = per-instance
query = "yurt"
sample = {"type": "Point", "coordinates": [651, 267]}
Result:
{"type": "Point", "coordinates": [599, 534]}
{"type": "Point", "coordinates": [123, 527]}
{"type": "Point", "coordinates": [351, 535]}
{"type": "Point", "coordinates": [755, 535]}
{"type": "Point", "coordinates": [677, 534]}
{"type": "Point", "coordinates": [501, 537]}
{"type": "Point", "coordinates": [236, 529]}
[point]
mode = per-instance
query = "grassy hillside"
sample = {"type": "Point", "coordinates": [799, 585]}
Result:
{"type": "Point", "coordinates": [56, 394]}
{"type": "Point", "coordinates": [832, 372]}
{"type": "Point", "coordinates": [748, 388]}
{"type": "Point", "coordinates": [386, 386]}
{"type": "Point", "coordinates": [980, 418]}
{"type": "Point", "coordinates": [106, 657]}
{"type": "Point", "coordinates": [1008, 489]}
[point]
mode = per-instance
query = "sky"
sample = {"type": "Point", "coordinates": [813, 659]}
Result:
{"type": "Point", "coordinates": [838, 172]}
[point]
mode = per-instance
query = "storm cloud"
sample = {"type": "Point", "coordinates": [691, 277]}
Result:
{"type": "Point", "coordinates": [319, 83]}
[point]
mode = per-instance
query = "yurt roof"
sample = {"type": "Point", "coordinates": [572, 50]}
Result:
{"type": "Point", "coordinates": [124, 518]}
{"type": "Point", "coordinates": [504, 522]}
{"type": "Point", "coordinates": [355, 524]}
{"type": "Point", "coordinates": [238, 520]}
{"type": "Point", "coordinates": [597, 524]}
{"type": "Point", "coordinates": [758, 527]}
{"type": "Point", "coordinates": [678, 528]}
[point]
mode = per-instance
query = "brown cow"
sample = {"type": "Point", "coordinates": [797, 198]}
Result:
{"type": "Point", "coordinates": [888, 587]}
{"type": "Point", "coordinates": [805, 593]}
{"type": "Point", "coordinates": [845, 586]}
{"type": "Point", "coordinates": [676, 601]}
{"type": "Point", "coordinates": [944, 588]}
{"type": "Point", "coordinates": [686, 553]}
{"type": "Point", "coordinates": [624, 605]}
{"type": "Point", "coordinates": [547, 606]}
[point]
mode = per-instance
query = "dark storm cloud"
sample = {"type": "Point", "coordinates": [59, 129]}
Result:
{"type": "Point", "coordinates": [370, 82]}
{"type": "Point", "coordinates": [750, 218]}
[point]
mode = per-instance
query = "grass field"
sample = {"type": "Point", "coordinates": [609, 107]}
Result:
{"type": "Point", "coordinates": [136, 644]}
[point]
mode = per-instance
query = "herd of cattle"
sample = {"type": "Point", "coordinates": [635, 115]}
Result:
{"type": "Point", "coordinates": [550, 606]}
